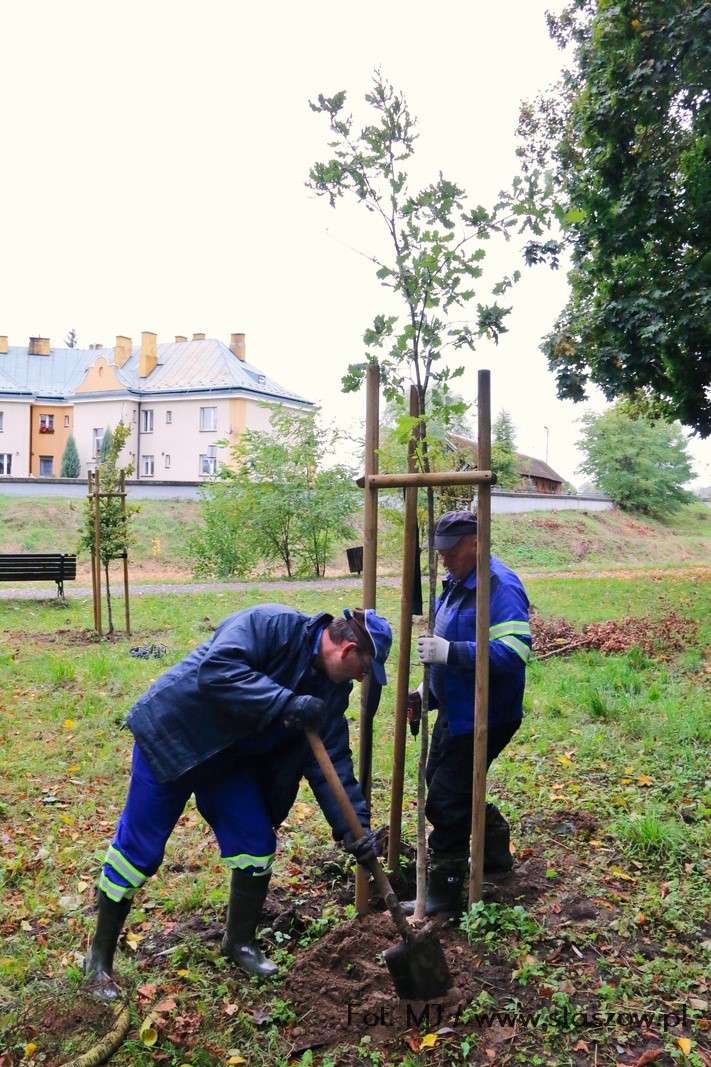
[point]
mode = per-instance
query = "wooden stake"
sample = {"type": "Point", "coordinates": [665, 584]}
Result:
{"type": "Point", "coordinates": [483, 592]}
{"type": "Point", "coordinates": [97, 553]}
{"type": "Point", "coordinates": [122, 484]}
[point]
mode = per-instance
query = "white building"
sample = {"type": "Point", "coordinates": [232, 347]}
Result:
{"type": "Point", "coordinates": [179, 399]}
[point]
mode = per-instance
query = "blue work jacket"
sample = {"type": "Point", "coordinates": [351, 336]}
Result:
{"type": "Point", "coordinates": [509, 649]}
{"type": "Point", "coordinates": [238, 684]}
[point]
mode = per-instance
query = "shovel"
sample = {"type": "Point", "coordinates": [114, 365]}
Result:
{"type": "Point", "coordinates": [417, 966]}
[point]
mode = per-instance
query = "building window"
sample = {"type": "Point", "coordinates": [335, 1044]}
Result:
{"type": "Point", "coordinates": [5, 463]}
{"type": "Point", "coordinates": [167, 461]}
{"type": "Point", "coordinates": [46, 424]}
{"type": "Point", "coordinates": [2, 421]}
{"type": "Point", "coordinates": [46, 466]}
{"type": "Point", "coordinates": [168, 417]}
{"type": "Point", "coordinates": [66, 420]}
{"type": "Point", "coordinates": [208, 463]}
{"type": "Point", "coordinates": [208, 418]}
{"type": "Point", "coordinates": [148, 466]}
{"type": "Point", "coordinates": [98, 437]}
{"type": "Point", "coordinates": [147, 420]}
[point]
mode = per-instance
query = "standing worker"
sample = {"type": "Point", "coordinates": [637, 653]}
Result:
{"type": "Point", "coordinates": [227, 725]}
{"type": "Point", "coordinates": [451, 654]}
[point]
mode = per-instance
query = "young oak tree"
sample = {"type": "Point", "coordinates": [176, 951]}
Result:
{"type": "Point", "coordinates": [436, 247]}
{"type": "Point", "coordinates": [115, 518]}
{"type": "Point", "coordinates": [639, 462]}
{"type": "Point", "coordinates": [628, 133]}
{"type": "Point", "coordinates": [277, 501]}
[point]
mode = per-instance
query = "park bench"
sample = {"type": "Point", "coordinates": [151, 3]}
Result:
{"type": "Point", "coordinates": [38, 567]}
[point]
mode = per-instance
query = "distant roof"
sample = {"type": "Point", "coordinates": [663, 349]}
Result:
{"type": "Point", "coordinates": [528, 466]}
{"type": "Point", "coordinates": [183, 366]}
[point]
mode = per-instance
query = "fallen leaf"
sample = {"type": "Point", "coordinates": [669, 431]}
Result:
{"type": "Point", "coordinates": [684, 1044]}
{"type": "Point", "coordinates": [30, 1047]}
{"type": "Point", "coordinates": [644, 779]}
{"type": "Point", "coordinates": [148, 989]}
{"type": "Point", "coordinates": [428, 1041]}
{"type": "Point", "coordinates": [581, 1046]}
{"type": "Point", "coordinates": [147, 1032]}
{"type": "Point", "coordinates": [166, 1005]}
{"type": "Point", "coordinates": [565, 760]}
{"type": "Point", "coordinates": [697, 1004]}
{"type": "Point", "coordinates": [68, 723]}
{"type": "Point", "coordinates": [236, 1059]}
{"type": "Point", "coordinates": [649, 1056]}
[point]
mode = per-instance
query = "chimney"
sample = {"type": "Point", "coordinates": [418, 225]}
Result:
{"type": "Point", "coordinates": [3, 345]}
{"type": "Point", "coordinates": [39, 346]}
{"type": "Point", "coordinates": [122, 350]}
{"type": "Point", "coordinates": [238, 346]}
{"type": "Point", "coordinates": [179, 338]}
{"type": "Point", "coordinates": [148, 358]}
{"type": "Point", "coordinates": [198, 337]}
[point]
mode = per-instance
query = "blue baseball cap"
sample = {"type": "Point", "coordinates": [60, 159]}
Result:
{"type": "Point", "coordinates": [374, 636]}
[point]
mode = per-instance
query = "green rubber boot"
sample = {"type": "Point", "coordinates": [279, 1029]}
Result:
{"type": "Point", "coordinates": [497, 842]}
{"type": "Point", "coordinates": [99, 962]}
{"type": "Point", "coordinates": [247, 895]}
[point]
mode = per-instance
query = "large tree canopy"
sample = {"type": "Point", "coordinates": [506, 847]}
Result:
{"type": "Point", "coordinates": [628, 133]}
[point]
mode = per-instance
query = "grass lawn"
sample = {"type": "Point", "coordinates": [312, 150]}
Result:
{"type": "Point", "coordinates": [597, 950]}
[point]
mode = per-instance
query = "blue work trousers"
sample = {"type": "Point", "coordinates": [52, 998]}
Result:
{"type": "Point", "coordinates": [231, 800]}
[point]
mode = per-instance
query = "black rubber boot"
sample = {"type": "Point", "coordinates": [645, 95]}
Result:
{"type": "Point", "coordinates": [497, 842]}
{"type": "Point", "coordinates": [446, 876]}
{"type": "Point", "coordinates": [99, 962]}
{"type": "Point", "coordinates": [247, 895]}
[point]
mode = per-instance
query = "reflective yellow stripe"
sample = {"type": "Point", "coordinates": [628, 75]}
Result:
{"type": "Point", "coordinates": [503, 629]}
{"type": "Point", "coordinates": [115, 892]}
{"type": "Point", "coordinates": [121, 864]}
{"type": "Point", "coordinates": [262, 863]}
{"type": "Point", "coordinates": [518, 646]}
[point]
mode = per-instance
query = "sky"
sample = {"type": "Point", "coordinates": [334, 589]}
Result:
{"type": "Point", "coordinates": [156, 154]}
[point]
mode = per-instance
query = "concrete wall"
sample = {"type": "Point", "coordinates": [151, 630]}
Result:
{"type": "Point", "coordinates": [503, 503]}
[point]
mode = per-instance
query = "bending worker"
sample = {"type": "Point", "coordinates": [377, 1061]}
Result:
{"type": "Point", "coordinates": [451, 653]}
{"type": "Point", "coordinates": [227, 725]}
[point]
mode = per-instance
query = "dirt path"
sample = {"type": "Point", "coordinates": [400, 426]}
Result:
{"type": "Point", "coordinates": [325, 584]}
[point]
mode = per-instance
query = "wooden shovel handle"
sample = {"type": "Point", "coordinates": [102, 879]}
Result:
{"type": "Point", "coordinates": [380, 878]}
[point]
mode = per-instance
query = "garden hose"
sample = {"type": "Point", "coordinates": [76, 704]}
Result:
{"type": "Point", "coordinates": [106, 1047]}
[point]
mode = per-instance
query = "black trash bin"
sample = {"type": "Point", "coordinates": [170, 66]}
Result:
{"type": "Point", "coordinates": [355, 559]}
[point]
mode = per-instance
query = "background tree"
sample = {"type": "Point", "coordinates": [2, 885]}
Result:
{"type": "Point", "coordinates": [277, 501]}
{"type": "Point", "coordinates": [641, 464]}
{"type": "Point", "coordinates": [107, 444]}
{"type": "Point", "coordinates": [504, 458]}
{"type": "Point", "coordinates": [71, 464]}
{"type": "Point", "coordinates": [71, 339]}
{"type": "Point", "coordinates": [116, 535]}
{"type": "Point", "coordinates": [629, 135]}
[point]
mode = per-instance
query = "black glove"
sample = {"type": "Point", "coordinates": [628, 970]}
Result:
{"type": "Point", "coordinates": [414, 711]}
{"type": "Point", "coordinates": [364, 848]}
{"type": "Point", "coordinates": [303, 711]}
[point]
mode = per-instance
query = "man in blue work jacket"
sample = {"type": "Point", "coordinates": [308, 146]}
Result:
{"type": "Point", "coordinates": [227, 725]}
{"type": "Point", "coordinates": [451, 653]}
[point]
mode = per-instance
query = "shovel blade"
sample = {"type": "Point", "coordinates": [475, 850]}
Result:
{"type": "Point", "coordinates": [418, 968]}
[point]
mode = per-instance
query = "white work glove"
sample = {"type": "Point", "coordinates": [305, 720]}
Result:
{"type": "Point", "coordinates": [432, 649]}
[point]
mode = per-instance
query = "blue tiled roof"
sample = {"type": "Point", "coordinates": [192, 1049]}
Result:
{"type": "Point", "coordinates": [183, 367]}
